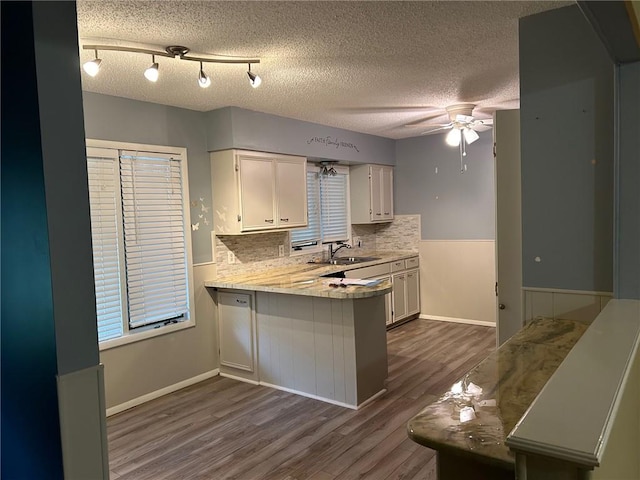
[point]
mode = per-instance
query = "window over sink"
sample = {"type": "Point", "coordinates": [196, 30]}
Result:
{"type": "Point", "coordinates": [328, 211]}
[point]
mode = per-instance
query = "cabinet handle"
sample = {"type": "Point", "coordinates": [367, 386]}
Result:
{"type": "Point", "coordinates": [378, 214]}
{"type": "Point", "coordinates": [284, 219]}
{"type": "Point", "coordinates": [268, 221]}
{"type": "Point", "coordinates": [386, 213]}
{"type": "Point", "coordinates": [242, 302]}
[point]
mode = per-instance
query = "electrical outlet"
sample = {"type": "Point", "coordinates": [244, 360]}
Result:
{"type": "Point", "coordinates": [231, 258]}
{"type": "Point", "coordinates": [281, 250]}
{"type": "Point", "coordinates": [357, 242]}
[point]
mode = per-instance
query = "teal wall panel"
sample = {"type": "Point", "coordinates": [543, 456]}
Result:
{"type": "Point", "coordinates": [30, 447]}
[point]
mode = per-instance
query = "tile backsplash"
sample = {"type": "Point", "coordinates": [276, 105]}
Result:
{"type": "Point", "coordinates": [258, 251]}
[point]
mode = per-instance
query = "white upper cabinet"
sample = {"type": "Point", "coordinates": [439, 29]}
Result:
{"type": "Point", "coordinates": [371, 193]}
{"type": "Point", "coordinates": [254, 191]}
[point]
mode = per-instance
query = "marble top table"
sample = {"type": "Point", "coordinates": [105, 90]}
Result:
{"type": "Point", "coordinates": [497, 392]}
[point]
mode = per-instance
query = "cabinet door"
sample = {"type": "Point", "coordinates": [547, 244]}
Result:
{"type": "Point", "coordinates": [399, 296]}
{"type": "Point", "coordinates": [257, 193]}
{"type": "Point", "coordinates": [386, 194]}
{"type": "Point", "coordinates": [376, 192]}
{"type": "Point", "coordinates": [235, 322]}
{"type": "Point", "coordinates": [413, 292]}
{"type": "Point", "coordinates": [291, 186]}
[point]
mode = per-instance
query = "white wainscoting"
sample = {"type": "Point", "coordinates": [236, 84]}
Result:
{"type": "Point", "coordinates": [579, 305]}
{"type": "Point", "coordinates": [457, 281]}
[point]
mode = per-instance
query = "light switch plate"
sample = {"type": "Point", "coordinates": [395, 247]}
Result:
{"type": "Point", "coordinates": [231, 258]}
{"type": "Point", "coordinates": [281, 250]}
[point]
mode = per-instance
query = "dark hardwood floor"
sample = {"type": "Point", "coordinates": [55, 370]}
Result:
{"type": "Point", "coordinates": [223, 429]}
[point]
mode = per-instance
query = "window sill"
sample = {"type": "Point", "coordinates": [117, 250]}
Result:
{"type": "Point", "coordinates": [145, 335]}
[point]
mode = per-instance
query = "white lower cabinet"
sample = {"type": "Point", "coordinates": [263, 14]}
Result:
{"type": "Point", "coordinates": [406, 294]}
{"type": "Point", "coordinates": [413, 292]}
{"type": "Point", "coordinates": [399, 295]}
{"type": "Point", "coordinates": [236, 330]}
{"type": "Point", "coordinates": [404, 300]}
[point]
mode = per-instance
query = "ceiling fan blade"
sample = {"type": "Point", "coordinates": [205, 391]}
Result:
{"type": "Point", "coordinates": [484, 121]}
{"type": "Point", "coordinates": [423, 124]}
{"type": "Point", "coordinates": [435, 130]}
{"type": "Point", "coordinates": [481, 127]}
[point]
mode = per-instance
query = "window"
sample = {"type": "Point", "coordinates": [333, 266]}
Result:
{"type": "Point", "coordinates": [141, 243]}
{"type": "Point", "coordinates": [328, 210]}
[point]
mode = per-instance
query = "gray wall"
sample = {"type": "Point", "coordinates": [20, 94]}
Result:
{"type": "Point", "coordinates": [270, 133]}
{"type": "Point", "coordinates": [566, 111]}
{"type": "Point", "coordinates": [453, 205]}
{"type": "Point", "coordinates": [628, 194]}
{"type": "Point", "coordinates": [125, 120]}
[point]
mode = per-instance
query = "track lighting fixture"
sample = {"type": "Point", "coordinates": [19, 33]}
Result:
{"type": "Point", "coordinates": [174, 51]}
{"type": "Point", "coordinates": [203, 79]}
{"type": "Point", "coordinates": [92, 67]}
{"type": "Point", "coordinates": [254, 79]}
{"type": "Point", "coordinates": [152, 73]}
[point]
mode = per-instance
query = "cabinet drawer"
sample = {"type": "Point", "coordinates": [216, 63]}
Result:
{"type": "Point", "coordinates": [397, 266]}
{"type": "Point", "coordinates": [368, 272]}
{"type": "Point", "coordinates": [412, 262]}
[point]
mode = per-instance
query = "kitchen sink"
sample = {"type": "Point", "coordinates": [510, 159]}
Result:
{"type": "Point", "coordinates": [349, 260]}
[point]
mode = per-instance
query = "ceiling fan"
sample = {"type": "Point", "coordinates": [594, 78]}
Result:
{"type": "Point", "coordinates": [462, 126]}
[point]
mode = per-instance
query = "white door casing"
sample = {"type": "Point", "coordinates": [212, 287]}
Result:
{"type": "Point", "coordinates": [506, 137]}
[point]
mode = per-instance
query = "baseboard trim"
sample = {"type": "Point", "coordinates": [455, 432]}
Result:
{"type": "Point", "coordinates": [468, 321]}
{"type": "Point", "coordinates": [324, 399]}
{"type": "Point", "coordinates": [240, 379]}
{"type": "Point", "coordinates": [161, 392]}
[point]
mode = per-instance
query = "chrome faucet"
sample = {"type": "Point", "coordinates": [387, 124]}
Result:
{"type": "Point", "coordinates": [333, 252]}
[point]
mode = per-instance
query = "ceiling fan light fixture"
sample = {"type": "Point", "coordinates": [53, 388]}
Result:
{"type": "Point", "coordinates": [470, 135]}
{"type": "Point", "coordinates": [453, 137]}
{"type": "Point", "coordinates": [254, 79]}
{"type": "Point", "coordinates": [92, 67]}
{"type": "Point", "coordinates": [152, 73]}
{"type": "Point", "coordinates": [203, 79]}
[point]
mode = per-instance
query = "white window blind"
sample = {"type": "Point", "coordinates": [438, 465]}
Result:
{"type": "Point", "coordinates": [104, 200]}
{"type": "Point", "coordinates": [154, 238]}
{"type": "Point", "coordinates": [334, 208]}
{"type": "Point", "coordinates": [310, 235]}
{"type": "Point", "coordinates": [328, 209]}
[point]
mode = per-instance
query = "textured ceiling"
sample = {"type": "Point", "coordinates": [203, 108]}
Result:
{"type": "Point", "coordinates": [369, 67]}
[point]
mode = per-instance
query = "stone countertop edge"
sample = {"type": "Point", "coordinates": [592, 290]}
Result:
{"type": "Point", "coordinates": [591, 385]}
{"type": "Point", "coordinates": [308, 279]}
{"type": "Point", "coordinates": [510, 378]}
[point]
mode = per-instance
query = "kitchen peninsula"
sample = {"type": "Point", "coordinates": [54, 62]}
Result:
{"type": "Point", "coordinates": [288, 328]}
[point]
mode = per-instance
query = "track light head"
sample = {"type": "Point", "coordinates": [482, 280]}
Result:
{"type": "Point", "coordinates": [152, 73]}
{"type": "Point", "coordinates": [254, 80]}
{"type": "Point", "coordinates": [92, 67]}
{"type": "Point", "coordinates": [203, 79]}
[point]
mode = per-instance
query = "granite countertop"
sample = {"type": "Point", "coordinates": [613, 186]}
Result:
{"type": "Point", "coordinates": [499, 390]}
{"type": "Point", "coordinates": [307, 279]}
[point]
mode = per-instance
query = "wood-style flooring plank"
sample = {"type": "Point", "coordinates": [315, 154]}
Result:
{"type": "Point", "coordinates": [225, 429]}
